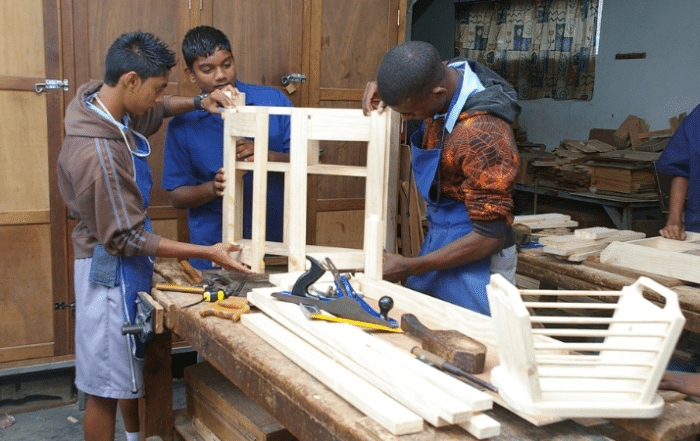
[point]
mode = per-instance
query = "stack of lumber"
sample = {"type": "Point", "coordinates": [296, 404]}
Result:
{"type": "Point", "coordinates": [624, 171]}
{"type": "Point", "coordinates": [385, 382]}
{"type": "Point", "coordinates": [566, 169]}
{"type": "Point", "coordinates": [586, 242]}
{"type": "Point", "coordinates": [571, 168]}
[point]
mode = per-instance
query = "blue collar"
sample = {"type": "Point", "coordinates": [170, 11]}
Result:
{"type": "Point", "coordinates": [124, 124]}
{"type": "Point", "coordinates": [469, 84]}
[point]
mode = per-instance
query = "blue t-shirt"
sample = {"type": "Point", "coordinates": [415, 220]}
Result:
{"type": "Point", "coordinates": [194, 153]}
{"type": "Point", "coordinates": [681, 157]}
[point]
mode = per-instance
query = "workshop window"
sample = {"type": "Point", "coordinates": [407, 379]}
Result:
{"type": "Point", "coordinates": [543, 48]}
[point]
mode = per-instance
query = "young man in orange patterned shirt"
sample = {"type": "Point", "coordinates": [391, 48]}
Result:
{"type": "Point", "coordinates": [465, 162]}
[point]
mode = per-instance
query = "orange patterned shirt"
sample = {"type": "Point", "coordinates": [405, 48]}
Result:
{"type": "Point", "coordinates": [479, 163]}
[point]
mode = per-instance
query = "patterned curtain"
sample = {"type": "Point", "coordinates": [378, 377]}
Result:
{"type": "Point", "coordinates": [544, 48]}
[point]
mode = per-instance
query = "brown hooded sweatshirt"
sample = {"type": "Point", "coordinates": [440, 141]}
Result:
{"type": "Point", "coordinates": [96, 179]}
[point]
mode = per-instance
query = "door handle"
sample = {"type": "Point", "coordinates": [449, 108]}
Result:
{"type": "Point", "coordinates": [293, 78]}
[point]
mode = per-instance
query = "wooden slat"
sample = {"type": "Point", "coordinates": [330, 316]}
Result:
{"type": "Point", "coordinates": [352, 387]}
{"type": "Point", "coordinates": [343, 258]}
{"type": "Point", "coordinates": [20, 84]}
{"type": "Point", "coordinates": [163, 212]}
{"type": "Point", "coordinates": [259, 202]}
{"type": "Point", "coordinates": [25, 217]}
{"type": "Point", "coordinates": [341, 94]}
{"type": "Point", "coordinates": [347, 204]}
{"type": "Point", "coordinates": [307, 408]}
{"type": "Point", "coordinates": [26, 352]}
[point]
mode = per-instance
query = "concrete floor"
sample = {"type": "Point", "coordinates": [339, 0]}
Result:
{"type": "Point", "coordinates": [64, 422]}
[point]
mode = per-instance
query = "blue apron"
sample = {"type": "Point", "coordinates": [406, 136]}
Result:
{"type": "Point", "coordinates": [449, 220]}
{"type": "Point", "coordinates": [137, 271]}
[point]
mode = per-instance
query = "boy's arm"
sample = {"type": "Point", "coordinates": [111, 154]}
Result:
{"type": "Point", "coordinates": [192, 196]}
{"type": "Point", "coordinates": [674, 228]}
{"type": "Point", "coordinates": [219, 253]}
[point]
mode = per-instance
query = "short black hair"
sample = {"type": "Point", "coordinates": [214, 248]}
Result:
{"type": "Point", "coordinates": [409, 70]}
{"type": "Point", "coordinates": [141, 52]}
{"type": "Point", "coordinates": [203, 41]}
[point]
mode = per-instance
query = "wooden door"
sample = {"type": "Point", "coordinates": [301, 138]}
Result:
{"type": "Point", "coordinates": [347, 41]}
{"type": "Point", "coordinates": [30, 124]}
{"type": "Point", "coordinates": [266, 39]}
{"type": "Point", "coordinates": [337, 45]}
{"type": "Point", "coordinates": [89, 27]}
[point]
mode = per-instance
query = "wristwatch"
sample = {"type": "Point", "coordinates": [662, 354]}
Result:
{"type": "Point", "coordinates": [198, 100]}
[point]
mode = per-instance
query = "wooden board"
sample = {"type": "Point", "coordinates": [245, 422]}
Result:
{"type": "Point", "coordinates": [397, 419]}
{"type": "Point", "coordinates": [658, 255]}
{"type": "Point", "coordinates": [586, 242]}
{"type": "Point", "coordinates": [622, 179]}
{"type": "Point", "coordinates": [548, 220]}
{"type": "Point", "coordinates": [225, 409]}
{"type": "Point", "coordinates": [436, 397]}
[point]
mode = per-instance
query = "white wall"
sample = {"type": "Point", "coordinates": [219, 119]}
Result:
{"type": "Point", "coordinates": [664, 84]}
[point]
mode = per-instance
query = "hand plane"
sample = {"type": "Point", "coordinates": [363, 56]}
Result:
{"type": "Point", "coordinates": [346, 304]}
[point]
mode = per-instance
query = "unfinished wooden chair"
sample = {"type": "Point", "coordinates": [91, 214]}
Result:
{"type": "Point", "coordinates": [602, 359]}
{"type": "Point", "coordinates": [309, 126]}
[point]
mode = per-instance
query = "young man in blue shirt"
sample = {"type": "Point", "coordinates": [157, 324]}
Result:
{"type": "Point", "coordinates": [681, 160]}
{"type": "Point", "coordinates": [193, 160]}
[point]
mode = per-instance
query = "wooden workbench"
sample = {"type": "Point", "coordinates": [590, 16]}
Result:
{"type": "Point", "coordinates": [307, 408]}
{"type": "Point", "coordinates": [554, 273]}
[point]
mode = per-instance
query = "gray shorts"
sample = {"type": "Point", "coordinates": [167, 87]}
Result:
{"type": "Point", "coordinates": [103, 366]}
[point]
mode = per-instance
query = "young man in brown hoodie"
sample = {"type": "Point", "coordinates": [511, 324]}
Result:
{"type": "Point", "coordinates": [105, 181]}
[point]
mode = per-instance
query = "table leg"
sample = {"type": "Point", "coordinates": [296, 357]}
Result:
{"type": "Point", "coordinates": [156, 404]}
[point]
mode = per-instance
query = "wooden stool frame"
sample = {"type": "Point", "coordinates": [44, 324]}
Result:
{"type": "Point", "coordinates": [309, 126]}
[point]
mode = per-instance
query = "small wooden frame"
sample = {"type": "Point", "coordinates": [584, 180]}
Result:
{"type": "Point", "coordinates": [309, 126]}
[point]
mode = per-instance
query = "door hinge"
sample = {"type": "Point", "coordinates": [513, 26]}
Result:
{"type": "Point", "coordinates": [189, 4]}
{"type": "Point", "coordinates": [398, 17]}
{"type": "Point", "coordinates": [51, 85]}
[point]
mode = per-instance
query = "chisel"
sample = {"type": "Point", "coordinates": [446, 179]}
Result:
{"type": "Point", "coordinates": [443, 365]}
